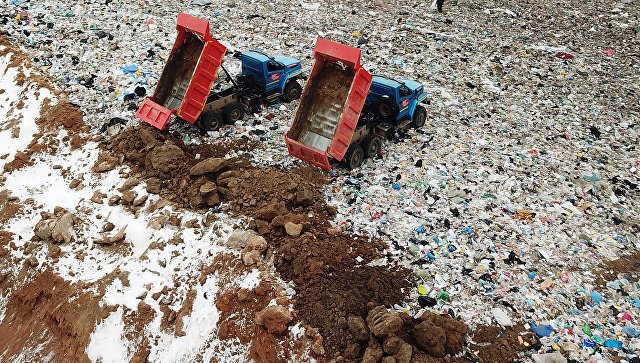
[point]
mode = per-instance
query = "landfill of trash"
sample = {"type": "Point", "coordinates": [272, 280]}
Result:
{"type": "Point", "coordinates": [507, 228]}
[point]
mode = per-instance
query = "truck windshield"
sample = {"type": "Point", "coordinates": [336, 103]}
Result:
{"type": "Point", "coordinates": [273, 66]}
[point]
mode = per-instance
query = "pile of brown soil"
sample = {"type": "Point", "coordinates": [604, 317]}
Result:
{"type": "Point", "coordinates": [628, 265]}
{"type": "Point", "coordinates": [312, 253]}
{"type": "Point", "coordinates": [501, 345]}
{"type": "Point", "coordinates": [326, 302]}
{"type": "Point", "coordinates": [49, 313]}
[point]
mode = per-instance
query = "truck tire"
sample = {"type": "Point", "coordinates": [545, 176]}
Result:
{"type": "Point", "coordinates": [210, 121]}
{"type": "Point", "coordinates": [292, 91]}
{"type": "Point", "coordinates": [419, 117]}
{"type": "Point", "coordinates": [386, 109]}
{"type": "Point", "coordinates": [372, 145]}
{"type": "Point", "coordinates": [232, 113]}
{"type": "Point", "coordinates": [354, 157]}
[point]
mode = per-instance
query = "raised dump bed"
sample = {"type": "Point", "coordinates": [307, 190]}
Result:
{"type": "Point", "coordinates": [330, 105]}
{"type": "Point", "coordinates": [188, 75]}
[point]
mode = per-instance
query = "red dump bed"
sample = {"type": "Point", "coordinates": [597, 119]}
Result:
{"type": "Point", "coordinates": [330, 105]}
{"type": "Point", "coordinates": [187, 77]}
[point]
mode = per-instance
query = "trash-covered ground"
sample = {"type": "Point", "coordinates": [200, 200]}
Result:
{"type": "Point", "coordinates": [514, 210]}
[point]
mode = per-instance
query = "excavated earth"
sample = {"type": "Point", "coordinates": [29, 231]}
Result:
{"type": "Point", "coordinates": [333, 282]}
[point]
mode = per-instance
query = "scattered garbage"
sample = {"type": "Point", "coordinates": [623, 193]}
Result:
{"type": "Point", "coordinates": [515, 203]}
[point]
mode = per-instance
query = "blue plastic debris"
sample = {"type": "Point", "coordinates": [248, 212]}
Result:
{"type": "Point", "coordinates": [542, 330]}
{"type": "Point", "coordinates": [596, 298]}
{"type": "Point", "coordinates": [630, 331]}
{"type": "Point", "coordinates": [431, 256]}
{"type": "Point", "coordinates": [588, 343]}
{"type": "Point", "coordinates": [420, 229]}
{"type": "Point", "coordinates": [612, 343]}
{"type": "Point", "coordinates": [396, 186]}
{"type": "Point", "coordinates": [532, 275]}
{"type": "Point", "coordinates": [130, 69]}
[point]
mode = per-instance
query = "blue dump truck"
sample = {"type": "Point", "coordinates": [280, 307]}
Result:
{"type": "Point", "coordinates": [186, 84]}
{"type": "Point", "coordinates": [392, 103]}
{"type": "Point", "coordinates": [344, 112]}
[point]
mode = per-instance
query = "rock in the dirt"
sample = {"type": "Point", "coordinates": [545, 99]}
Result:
{"type": "Point", "coordinates": [274, 318]}
{"type": "Point", "coordinates": [352, 351]}
{"type": "Point", "coordinates": [118, 236]}
{"type": "Point", "coordinates": [252, 253]}
{"type": "Point", "coordinates": [165, 158]}
{"type": "Point", "coordinates": [257, 243]}
{"type": "Point", "coordinates": [207, 188]}
{"type": "Point", "coordinates": [251, 257]}
{"type": "Point", "coordinates": [43, 229]}
{"type": "Point", "coordinates": [97, 197]}
{"type": "Point", "coordinates": [430, 338]}
{"type": "Point", "coordinates": [62, 230]}
{"type": "Point", "coordinates": [439, 335]}
{"type": "Point", "coordinates": [129, 196]}
{"type": "Point", "coordinates": [382, 322]}
{"type": "Point", "coordinates": [293, 229]}
{"type": "Point", "coordinates": [316, 345]}
{"type": "Point", "coordinates": [304, 198]}
{"type": "Point", "coordinates": [239, 239]}
{"type": "Point", "coordinates": [104, 163]}
{"type": "Point", "coordinates": [213, 199]}
{"type": "Point", "coordinates": [146, 136]}
{"type": "Point", "coordinates": [398, 348]}
{"type": "Point", "coordinates": [373, 354]}
{"type": "Point", "coordinates": [129, 183]}
{"type": "Point", "coordinates": [210, 165]}
{"type": "Point", "coordinates": [113, 239]}
{"type": "Point", "coordinates": [358, 328]}
{"type": "Point", "coordinates": [389, 359]}
{"type": "Point", "coordinates": [154, 185]}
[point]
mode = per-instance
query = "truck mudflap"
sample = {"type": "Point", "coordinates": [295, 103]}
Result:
{"type": "Point", "coordinates": [330, 105]}
{"type": "Point", "coordinates": [153, 113]}
{"type": "Point", "coordinates": [198, 56]}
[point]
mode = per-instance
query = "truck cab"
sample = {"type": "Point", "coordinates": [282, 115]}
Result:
{"type": "Point", "coordinates": [276, 75]}
{"type": "Point", "coordinates": [395, 100]}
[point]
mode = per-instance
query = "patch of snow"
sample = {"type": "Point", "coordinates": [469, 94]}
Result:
{"type": "Point", "coordinates": [251, 280]}
{"type": "Point", "coordinates": [14, 93]}
{"type": "Point", "coordinates": [107, 341]}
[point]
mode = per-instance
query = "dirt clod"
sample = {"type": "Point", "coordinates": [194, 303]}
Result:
{"type": "Point", "coordinates": [275, 318]}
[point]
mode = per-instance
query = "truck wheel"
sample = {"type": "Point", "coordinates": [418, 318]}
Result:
{"type": "Point", "coordinates": [292, 91]}
{"type": "Point", "coordinates": [372, 144]}
{"type": "Point", "coordinates": [354, 157]}
{"type": "Point", "coordinates": [210, 121]}
{"type": "Point", "coordinates": [419, 117]}
{"type": "Point", "coordinates": [232, 112]}
{"type": "Point", "coordinates": [386, 109]}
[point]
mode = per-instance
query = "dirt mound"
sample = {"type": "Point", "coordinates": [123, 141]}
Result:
{"type": "Point", "coordinates": [49, 313]}
{"type": "Point", "coordinates": [287, 207]}
{"type": "Point", "coordinates": [327, 302]}
{"type": "Point", "coordinates": [62, 115]}
{"type": "Point", "coordinates": [501, 345]}
{"type": "Point", "coordinates": [165, 162]}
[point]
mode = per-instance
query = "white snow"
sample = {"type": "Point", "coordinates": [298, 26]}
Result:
{"type": "Point", "coordinates": [107, 341]}
{"type": "Point", "coordinates": [14, 93]}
